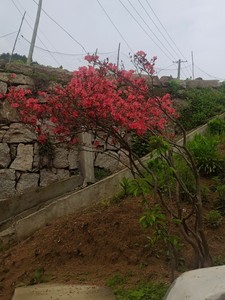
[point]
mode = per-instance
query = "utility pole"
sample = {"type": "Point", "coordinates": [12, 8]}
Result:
{"type": "Point", "coordinates": [30, 55]}
{"type": "Point", "coordinates": [193, 68]}
{"type": "Point", "coordinates": [179, 66]}
{"type": "Point", "coordinates": [14, 46]}
{"type": "Point", "coordinates": [118, 56]}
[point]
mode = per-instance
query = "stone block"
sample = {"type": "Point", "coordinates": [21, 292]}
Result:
{"type": "Point", "coordinates": [202, 83]}
{"type": "Point", "coordinates": [7, 182]}
{"type": "Point", "coordinates": [19, 133]}
{"type": "Point", "coordinates": [2, 133]}
{"type": "Point", "coordinates": [62, 174]}
{"type": "Point", "coordinates": [7, 113]}
{"type": "Point", "coordinates": [73, 158]}
{"type": "Point", "coordinates": [36, 160]}
{"type": "Point", "coordinates": [24, 158]}
{"type": "Point", "coordinates": [3, 88]}
{"type": "Point", "coordinates": [60, 159]}
{"type": "Point", "coordinates": [47, 177]}
{"type": "Point", "coordinates": [108, 160]}
{"type": "Point", "coordinates": [27, 182]}
{"type": "Point", "coordinates": [20, 68]}
{"type": "Point", "coordinates": [5, 157]}
{"type": "Point", "coordinates": [17, 79]}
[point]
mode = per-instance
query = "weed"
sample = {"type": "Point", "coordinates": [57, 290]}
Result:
{"type": "Point", "coordinates": [47, 149]}
{"type": "Point", "coordinates": [218, 261]}
{"type": "Point", "coordinates": [216, 126]}
{"type": "Point", "coordinates": [205, 154]}
{"type": "Point", "coordinates": [146, 291]}
{"type": "Point", "coordinates": [205, 193]}
{"type": "Point", "coordinates": [214, 218]}
{"type": "Point", "coordinates": [40, 277]}
{"type": "Point", "coordinates": [115, 280]}
{"type": "Point", "coordinates": [220, 203]}
{"type": "Point", "coordinates": [101, 173]}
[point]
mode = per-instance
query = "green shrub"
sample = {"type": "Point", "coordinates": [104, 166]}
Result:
{"type": "Point", "coordinates": [101, 173]}
{"type": "Point", "coordinates": [205, 193]}
{"type": "Point", "coordinates": [203, 104]}
{"type": "Point", "coordinates": [186, 175]}
{"type": "Point", "coordinates": [220, 203]}
{"type": "Point", "coordinates": [116, 280]}
{"type": "Point", "coordinates": [216, 126]}
{"type": "Point", "coordinates": [40, 277]}
{"type": "Point", "coordinates": [214, 218]}
{"type": "Point", "coordinates": [149, 291]}
{"type": "Point", "coordinates": [140, 145]}
{"type": "Point", "coordinates": [205, 154]}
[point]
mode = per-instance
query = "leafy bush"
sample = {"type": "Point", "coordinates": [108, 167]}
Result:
{"type": "Point", "coordinates": [203, 104]}
{"type": "Point", "coordinates": [205, 154]}
{"type": "Point", "coordinates": [220, 203]}
{"type": "Point", "coordinates": [216, 126]}
{"type": "Point", "coordinates": [214, 218]}
{"type": "Point", "coordinates": [40, 277]}
{"type": "Point", "coordinates": [101, 173]}
{"type": "Point", "coordinates": [186, 176]}
{"type": "Point", "coordinates": [140, 145]}
{"type": "Point", "coordinates": [149, 291]}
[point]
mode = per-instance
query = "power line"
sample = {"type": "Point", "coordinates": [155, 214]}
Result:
{"type": "Point", "coordinates": [62, 53]}
{"type": "Point", "coordinates": [158, 28]}
{"type": "Point", "coordinates": [32, 30]}
{"type": "Point", "coordinates": [42, 34]}
{"type": "Point", "coordinates": [164, 28]}
{"type": "Point", "coordinates": [8, 34]}
{"type": "Point", "coordinates": [148, 28]}
{"type": "Point", "coordinates": [76, 41]}
{"type": "Point", "coordinates": [115, 26]}
{"type": "Point", "coordinates": [204, 72]}
{"type": "Point", "coordinates": [169, 36]}
{"type": "Point", "coordinates": [143, 29]}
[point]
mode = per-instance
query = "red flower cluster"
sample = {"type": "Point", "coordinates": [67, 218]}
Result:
{"type": "Point", "coordinates": [102, 97]}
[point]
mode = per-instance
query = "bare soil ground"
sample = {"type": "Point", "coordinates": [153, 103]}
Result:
{"type": "Point", "coordinates": [93, 246]}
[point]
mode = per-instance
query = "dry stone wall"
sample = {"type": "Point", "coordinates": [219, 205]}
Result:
{"type": "Point", "coordinates": [21, 166]}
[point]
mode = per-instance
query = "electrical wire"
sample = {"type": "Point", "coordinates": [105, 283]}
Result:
{"type": "Point", "coordinates": [150, 29]}
{"type": "Point", "coordinates": [164, 28]}
{"type": "Point", "coordinates": [8, 34]}
{"type": "Point", "coordinates": [169, 36]}
{"type": "Point", "coordinates": [144, 29]}
{"type": "Point", "coordinates": [44, 35]}
{"type": "Point", "coordinates": [157, 27]}
{"type": "Point", "coordinates": [60, 26]}
{"type": "Point", "coordinates": [211, 76]}
{"type": "Point", "coordinates": [32, 31]}
{"type": "Point", "coordinates": [62, 53]}
{"type": "Point", "coordinates": [111, 21]}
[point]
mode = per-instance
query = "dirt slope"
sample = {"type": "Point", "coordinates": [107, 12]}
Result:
{"type": "Point", "coordinates": [90, 248]}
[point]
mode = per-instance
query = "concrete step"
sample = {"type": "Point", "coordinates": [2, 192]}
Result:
{"type": "Point", "coordinates": [63, 292]}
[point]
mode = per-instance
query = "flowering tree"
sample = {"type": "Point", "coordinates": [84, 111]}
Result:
{"type": "Point", "coordinates": [103, 98]}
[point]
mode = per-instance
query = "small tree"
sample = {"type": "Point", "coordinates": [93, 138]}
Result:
{"type": "Point", "coordinates": [109, 102]}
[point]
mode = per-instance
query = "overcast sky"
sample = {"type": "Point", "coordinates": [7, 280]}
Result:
{"type": "Point", "coordinates": [169, 29]}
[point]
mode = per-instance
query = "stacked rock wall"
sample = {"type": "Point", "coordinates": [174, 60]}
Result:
{"type": "Point", "coordinates": [21, 166]}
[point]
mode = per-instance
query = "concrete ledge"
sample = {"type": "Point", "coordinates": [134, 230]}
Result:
{"type": "Point", "coordinates": [80, 200]}
{"type": "Point", "coordinates": [13, 206]}
{"type": "Point", "coordinates": [63, 292]}
{"type": "Point", "coordinates": [77, 201]}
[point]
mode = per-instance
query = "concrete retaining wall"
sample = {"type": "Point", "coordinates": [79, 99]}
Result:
{"type": "Point", "coordinates": [77, 201]}
{"type": "Point", "coordinates": [11, 207]}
